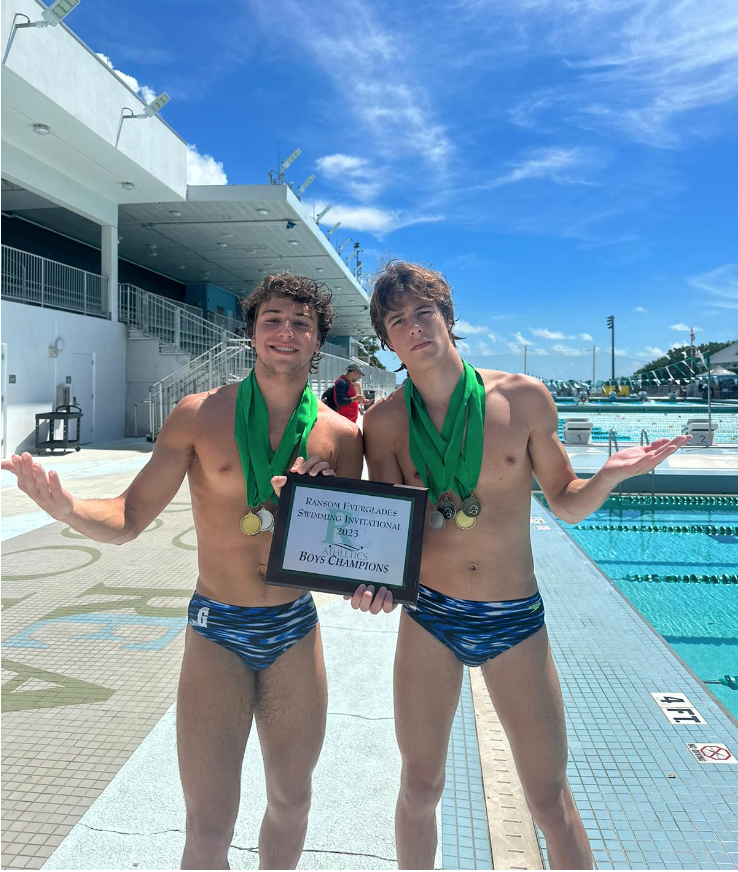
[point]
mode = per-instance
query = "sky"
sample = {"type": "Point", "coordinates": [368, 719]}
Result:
{"type": "Point", "coordinates": [559, 161]}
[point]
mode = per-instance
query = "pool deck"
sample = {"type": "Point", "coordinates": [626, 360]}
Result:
{"type": "Point", "coordinates": [91, 652]}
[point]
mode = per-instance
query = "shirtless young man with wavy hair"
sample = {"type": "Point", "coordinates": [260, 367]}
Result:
{"type": "Point", "coordinates": [478, 601]}
{"type": "Point", "coordinates": [252, 652]}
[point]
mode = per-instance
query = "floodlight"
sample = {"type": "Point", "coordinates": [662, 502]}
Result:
{"type": "Point", "coordinates": [155, 105]}
{"type": "Point", "coordinates": [50, 17]}
{"type": "Point", "coordinates": [344, 244]}
{"type": "Point", "coordinates": [57, 12]}
{"type": "Point", "coordinates": [288, 161]}
{"type": "Point", "coordinates": [305, 185]}
{"type": "Point", "coordinates": [333, 229]}
{"type": "Point", "coordinates": [321, 214]}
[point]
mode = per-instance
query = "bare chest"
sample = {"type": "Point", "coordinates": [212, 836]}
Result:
{"type": "Point", "coordinates": [505, 460]}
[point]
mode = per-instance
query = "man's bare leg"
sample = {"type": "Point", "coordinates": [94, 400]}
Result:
{"type": "Point", "coordinates": [290, 712]}
{"type": "Point", "coordinates": [525, 691]}
{"type": "Point", "coordinates": [427, 685]}
{"type": "Point", "coordinates": [215, 706]}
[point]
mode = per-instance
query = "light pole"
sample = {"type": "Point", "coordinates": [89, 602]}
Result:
{"type": "Point", "coordinates": [611, 326]}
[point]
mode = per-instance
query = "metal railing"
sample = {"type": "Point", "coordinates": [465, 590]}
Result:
{"type": "Point", "coordinates": [173, 323]}
{"type": "Point", "coordinates": [232, 360]}
{"type": "Point", "coordinates": [646, 441]}
{"type": "Point", "coordinates": [612, 439]}
{"type": "Point", "coordinates": [40, 281]}
{"type": "Point", "coordinates": [227, 322]}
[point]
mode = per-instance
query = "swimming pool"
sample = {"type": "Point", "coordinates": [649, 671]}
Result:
{"type": "Point", "coordinates": [677, 563]}
{"type": "Point", "coordinates": [657, 419]}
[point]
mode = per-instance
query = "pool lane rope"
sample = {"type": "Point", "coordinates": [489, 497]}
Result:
{"type": "Point", "coordinates": [694, 579]}
{"type": "Point", "coordinates": [709, 529]}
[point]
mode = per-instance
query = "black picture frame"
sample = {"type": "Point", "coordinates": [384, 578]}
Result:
{"type": "Point", "coordinates": [277, 575]}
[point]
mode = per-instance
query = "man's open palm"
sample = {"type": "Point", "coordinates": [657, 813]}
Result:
{"type": "Point", "coordinates": [43, 488]}
{"type": "Point", "coordinates": [635, 461]}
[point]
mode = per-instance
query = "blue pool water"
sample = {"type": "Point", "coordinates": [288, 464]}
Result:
{"type": "Point", "coordinates": [699, 619]}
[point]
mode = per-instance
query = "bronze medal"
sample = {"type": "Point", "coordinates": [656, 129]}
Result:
{"type": "Point", "coordinates": [250, 524]}
{"type": "Point", "coordinates": [471, 506]}
{"type": "Point", "coordinates": [436, 520]}
{"type": "Point", "coordinates": [266, 519]}
{"type": "Point", "coordinates": [446, 508]}
{"type": "Point", "coordinates": [464, 521]}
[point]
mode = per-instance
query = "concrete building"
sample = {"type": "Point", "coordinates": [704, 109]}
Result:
{"type": "Point", "coordinates": [117, 274]}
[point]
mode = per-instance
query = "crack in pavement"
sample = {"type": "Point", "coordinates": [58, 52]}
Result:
{"type": "Point", "coordinates": [329, 851]}
{"type": "Point", "coordinates": [361, 717]}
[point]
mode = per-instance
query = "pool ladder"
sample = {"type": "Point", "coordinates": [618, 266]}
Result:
{"type": "Point", "coordinates": [612, 440]}
{"type": "Point", "coordinates": [646, 441]}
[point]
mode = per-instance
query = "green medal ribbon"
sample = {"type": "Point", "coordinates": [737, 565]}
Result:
{"type": "Point", "coordinates": [449, 460]}
{"type": "Point", "coordinates": [258, 460]}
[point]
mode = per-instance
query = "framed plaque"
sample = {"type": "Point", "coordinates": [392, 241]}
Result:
{"type": "Point", "coordinates": [333, 534]}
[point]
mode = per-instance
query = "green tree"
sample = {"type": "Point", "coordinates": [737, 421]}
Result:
{"type": "Point", "coordinates": [372, 346]}
{"type": "Point", "coordinates": [677, 355]}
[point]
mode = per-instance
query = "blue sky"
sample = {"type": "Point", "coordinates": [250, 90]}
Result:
{"type": "Point", "coordinates": [559, 160]}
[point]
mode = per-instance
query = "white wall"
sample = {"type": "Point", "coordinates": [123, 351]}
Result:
{"type": "Point", "coordinates": [145, 365]}
{"type": "Point", "coordinates": [28, 331]}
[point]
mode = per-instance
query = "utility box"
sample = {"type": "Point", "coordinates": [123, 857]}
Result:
{"type": "Point", "coordinates": [578, 431]}
{"type": "Point", "coordinates": [701, 432]}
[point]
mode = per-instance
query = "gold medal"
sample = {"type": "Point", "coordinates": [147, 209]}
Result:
{"type": "Point", "coordinates": [250, 524]}
{"type": "Point", "coordinates": [464, 521]}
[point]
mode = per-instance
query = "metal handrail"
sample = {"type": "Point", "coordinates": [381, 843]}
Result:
{"type": "Point", "coordinates": [40, 281]}
{"type": "Point", "coordinates": [232, 360]}
{"type": "Point", "coordinates": [174, 324]}
{"type": "Point", "coordinates": [612, 439]}
{"type": "Point", "coordinates": [646, 441]}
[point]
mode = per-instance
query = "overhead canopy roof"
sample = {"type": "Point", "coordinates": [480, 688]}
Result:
{"type": "Point", "coordinates": [727, 356]}
{"type": "Point", "coordinates": [229, 235]}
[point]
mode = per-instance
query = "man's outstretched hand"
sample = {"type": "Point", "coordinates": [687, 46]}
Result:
{"type": "Point", "coordinates": [365, 600]}
{"type": "Point", "coordinates": [43, 488]}
{"type": "Point", "coordinates": [635, 461]}
{"type": "Point", "coordinates": [312, 466]}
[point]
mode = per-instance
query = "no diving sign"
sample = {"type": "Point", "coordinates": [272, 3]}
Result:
{"type": "Point", "coordinates": [711, 752]}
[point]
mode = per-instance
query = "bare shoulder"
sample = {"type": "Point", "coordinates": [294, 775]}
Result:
{"type": "Point", "coordinates": [335, 424]}
{"type": "Point", "coordinates": [192, 406]}
{"type": "Point", "coordinates": [390, 412]}
{"type": "Point", "coordinates": [518, 388]}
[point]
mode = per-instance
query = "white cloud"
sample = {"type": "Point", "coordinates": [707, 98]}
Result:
{"type": "Point", "coordinates": [374, 73]}
{"type": "Point", "coordinates": [375, 220]}
{"type": "Point", "coordinates": [146, 93]}
{"type": "Point", "coordinates": [521, 339]}
{"type": "Point", "coordinates": [585, 337]}
{"type": "Point", "coordinates": [721, 283]}
{"type": "Point", "coordinates": [640, 310]}
{"type": "Point", "coordinates": [334, 165]}
{"type": "Point", "coordinates": [545, 333]}
{"type": "Point", "coordinates": [514, 347]}
{"type": "Point", "coordinates": [355, 174]}
{"type": "Point", "coordinates": [567, 350]}
{"type": "Point", "coordinates": [462, 326]}
{"type": "Point", "coordinates": [684, 328]}
{"type": "Point", "coordinates": [652, 352]}
{"type": "Point", "coordinates": [203, 169]}
{"type": "Point", "coordinates": [538, 352]}
{"type": "Point", "coordinates": [638, 66]}
{"type": "Point", "coordinates": [563, 166]}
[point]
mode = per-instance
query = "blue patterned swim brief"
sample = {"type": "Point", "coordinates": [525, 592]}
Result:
{"type": "Point", "coordinates": [476, 631]}
{"type": "Point", "coordinates": [258, 635]}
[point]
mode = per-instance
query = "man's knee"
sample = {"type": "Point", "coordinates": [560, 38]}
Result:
{"type": "Point", "coordinates": [420, 790]}
{"type": "Point", "coordinates": [212, 833]}
{"type": "Point", "coordinates": [548, 800]}
{"type": "Point", "coordinates": [292, 802]}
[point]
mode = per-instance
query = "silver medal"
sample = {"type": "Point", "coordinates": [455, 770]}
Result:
{"type": "Point", "coordinates": [446, 508]}
{"type": "Point", "coordinates": [436, 520]}
{"type": "Point", "coordinates": [471, 506]}
{"type": "Point", "coordinates": [267, 520]}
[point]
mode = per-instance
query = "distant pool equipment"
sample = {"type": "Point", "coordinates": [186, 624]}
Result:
{"type": "Point", "coordinates": [577, 431]}
{"type": "Point", "coordinates": [730, 681]}
{"type": "Point", "coordinates": [701, 431]}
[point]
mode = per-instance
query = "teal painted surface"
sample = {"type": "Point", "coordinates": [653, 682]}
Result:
{"type": "Point", "coordinates": [698, 619]}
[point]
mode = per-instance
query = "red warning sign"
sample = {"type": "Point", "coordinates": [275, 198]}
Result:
{"type": "Point", "coordinates": [712, 752]}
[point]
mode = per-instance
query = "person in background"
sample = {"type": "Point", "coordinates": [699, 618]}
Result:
{"type": "Point", "coordinates": [347, 393]}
